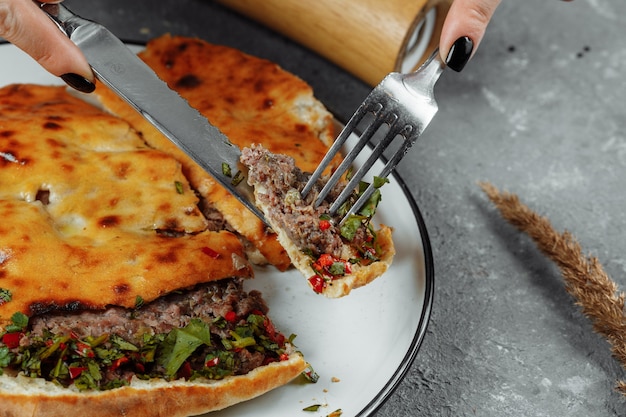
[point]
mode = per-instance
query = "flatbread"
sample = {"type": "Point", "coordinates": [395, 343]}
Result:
{"type": "Point", "coordinates": [92, 216]}
{"type": "Point", "coordinates": [251, 100]}
{"type": "Point", "coordinates": [24, 396]}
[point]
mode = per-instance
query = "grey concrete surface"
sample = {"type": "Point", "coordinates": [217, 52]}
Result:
{"type": "Point", "coordinates": [540, 112]}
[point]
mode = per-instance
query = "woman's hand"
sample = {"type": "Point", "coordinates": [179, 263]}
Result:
{"type": "Point", "coordinates": [26, 26]}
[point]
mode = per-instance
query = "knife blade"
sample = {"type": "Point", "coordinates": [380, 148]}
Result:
{"type": "Point", "coordinates": [116, 66]}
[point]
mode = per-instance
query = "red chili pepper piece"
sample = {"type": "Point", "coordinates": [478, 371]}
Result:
{"type": "Point", "coordinates": [317, 283]}
{"type": "Point", "coordinates": [230, 316]}
{"type": "Point", "coordinates": [75, 371]}
{"type": "Point", "coordinates": [284, 357]}
{"type": "Point", "coordinates": [185, 371]}
{"type": "Point", "coordinates": [325, 260]}
{"type": "Point", "coordinates": [212, 362]}
{"type": "Point", "coordinates": [84, 350]}
{"type": "Point", "coordinates": [210, 252]}
{"type": "Point", "coordinates": [274, 336]}
{"type": "Point", "coordinates": [119, 362]}
{"type": "Point", "coordinates": [325, 224]}
{"type": "Point", "coordinates": [12, 340]}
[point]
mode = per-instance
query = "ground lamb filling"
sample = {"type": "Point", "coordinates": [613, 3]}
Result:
{"type": "Point", "coordinates": [212, 331]}
{"type": "Point", "coordinates": [282, 181]}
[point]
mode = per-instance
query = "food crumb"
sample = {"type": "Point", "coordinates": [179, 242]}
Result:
{"type": "Point", "coordinates": [335, 379]}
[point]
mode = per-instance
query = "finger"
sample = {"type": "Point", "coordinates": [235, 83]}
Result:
{"type": "Point", "coordinates": [23, 24]}
{"type": "Point", "coordinates": [466, 19]}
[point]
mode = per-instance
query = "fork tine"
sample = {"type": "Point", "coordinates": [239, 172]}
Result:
{"type": "Point", "coordinates": [364, 139]}
{"type": "Point", "coordinates": [405, 133]}
{"type": "Point", "coordinates": [348, 129]}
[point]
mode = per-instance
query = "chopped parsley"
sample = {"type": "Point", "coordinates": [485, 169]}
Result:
{"type": "Point", "coordinates": [179, 187]}
{"type": "Point", "coordinates": [105, 362]}
{"type": "Point", "coordinates": [226, 170]}
{"type": "Point", "coordinates": [19, 322]}
{"type": "Point", "coordinates": [5, 296]}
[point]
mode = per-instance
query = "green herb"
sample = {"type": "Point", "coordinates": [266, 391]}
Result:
{"type": "Point", "coordinates": [369, 208]}
{"type": "Point", "coordinates": [5, 296]}
{"type": "Point", "coordinates": [94, 370]}
{"type": "Point", "coordinates": [379, 181]}
{"type": "Point", "coordinates": [179, 187]}
{"type": "Point", "coordinates": [5, 357]}
{"type": "Point", "coordinates": [139, 301]}
{"type": "Point", "coordinates": [57, 341]}
{"type": "Point", "coordinates": [85, 381]}
{"type": "Point", "coordinates": [241, 341]}
{"type": "Point", "coordinates": [313, 407]}
{"type": "Point", "coordinates": [123, 344]}
{"type": "Point", "coordinates": [181, 343]}
{"type": "Point", "coordinates": [337, 269]}
{"type": "Point", "coordinates": [19, 321]}
{"type": "Point", "coordinates": [310, 374]}
{"type": "Point", "coordinates": [350, 226]}
{"type": "Point", "coordinates": [237, 178]}
{"type": "Point", "coordinates": [349, 173]}
{"type": "Point", "coordinates": [226, 170]}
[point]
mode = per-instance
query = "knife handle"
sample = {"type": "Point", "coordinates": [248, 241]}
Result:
{"type": "Point", "coordinates": [368, 38]}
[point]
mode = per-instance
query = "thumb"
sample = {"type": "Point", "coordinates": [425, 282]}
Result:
{"type": "Point", "coordinates": [23, 24]}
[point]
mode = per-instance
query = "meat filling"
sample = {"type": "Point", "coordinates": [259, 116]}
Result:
{"type": "Point", "coordinates": [213, 330]}
{"type": "Point", "coordinates": [281, 182]}
{"type": "Point", "coordinates": [208, 302]}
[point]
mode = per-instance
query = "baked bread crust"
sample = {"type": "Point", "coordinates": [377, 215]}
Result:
{"type": "Point", "coordinates": [249, 99]}
{"type": "Point", "coordinates": [86, 201]}
{"type": "Point", "coordinates": [24, 397]}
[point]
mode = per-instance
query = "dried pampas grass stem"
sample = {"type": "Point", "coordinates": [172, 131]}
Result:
{"type": "Point", "coordinates": [585, 279]}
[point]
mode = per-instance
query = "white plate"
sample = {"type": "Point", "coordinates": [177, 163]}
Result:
{"type": "Point", "coordinates": [364, 342]}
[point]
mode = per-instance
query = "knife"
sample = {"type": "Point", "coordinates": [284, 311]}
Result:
{"type": "Point", "coordinates": [116, 66]}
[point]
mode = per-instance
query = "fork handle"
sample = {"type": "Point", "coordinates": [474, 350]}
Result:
{"type": "Point", "coordinates": [368, 38]}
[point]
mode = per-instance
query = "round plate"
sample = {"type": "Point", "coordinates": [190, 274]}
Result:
{"type": "Point", "coordinates": [360, 345]}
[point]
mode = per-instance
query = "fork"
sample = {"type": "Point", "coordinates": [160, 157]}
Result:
{"type": "Point", "coordinates": [402, 103]}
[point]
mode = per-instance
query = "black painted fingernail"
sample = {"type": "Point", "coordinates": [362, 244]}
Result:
{"type": "Point", "coordinates": [460, 53]}
{"type": "Point", "coordinates": [78, 82]}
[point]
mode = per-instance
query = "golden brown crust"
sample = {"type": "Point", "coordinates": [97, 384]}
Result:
{"type": "Point", "coordinates": [26, 397]}
{"type": "Point", "coordinates": [252, 101]}
{"type": "Point", "coordinates": [83, 199]}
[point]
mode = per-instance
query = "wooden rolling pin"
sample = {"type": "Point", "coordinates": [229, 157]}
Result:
{"type": "Point", "coordinates": [368, 38]}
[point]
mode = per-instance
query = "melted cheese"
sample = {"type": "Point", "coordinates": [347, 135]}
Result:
{"type": "Point", "coordinates": [82, 204]}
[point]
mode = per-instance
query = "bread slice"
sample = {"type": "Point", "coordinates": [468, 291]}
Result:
{"type": "Point", "coordinates": [23, 396]}
{"type": "Point", "coordinates": [335, 260]}
{"type": "Point", "coordinates": [251, 100]}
